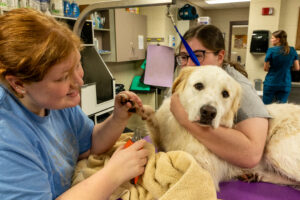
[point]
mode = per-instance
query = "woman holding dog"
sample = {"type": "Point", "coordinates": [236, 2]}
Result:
{"type": "Point", "coordinates": [43, 131]}
{"type": "Point", "coordinates": [242, 145]}
{"type": "Point", "coordinates": [279, 61]}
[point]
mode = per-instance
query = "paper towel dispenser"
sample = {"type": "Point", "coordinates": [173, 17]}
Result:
{"type": "Point", "coordinates": [259, 41]}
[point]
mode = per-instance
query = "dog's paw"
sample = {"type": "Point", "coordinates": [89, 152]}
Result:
{"type": "Point", "coordinates": [146, 112]}
{"type": "Point", "coordinates": [124, 99]}
{"type": "Point", "coordinates": [296, 187]}
{"type": "Point", "coordinates": [249, 177]}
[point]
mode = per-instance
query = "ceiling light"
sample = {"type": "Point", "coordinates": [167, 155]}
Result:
{"type": "Point", "coordinates": [224, 1]}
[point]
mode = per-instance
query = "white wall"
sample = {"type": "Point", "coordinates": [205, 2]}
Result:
{"type": "Point", "coordinates": [285, 17]}
{"type": "Point", "coordinates": [257, 21]}
{"type": "Point", "coordinates": [289, 19]}
{"type": "Point", "coordinates": [222, 18]}
{"type": "Point", "coordinates": [160, 25]}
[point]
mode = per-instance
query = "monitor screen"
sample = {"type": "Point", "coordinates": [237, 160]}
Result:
{"type": "Point", "coordinates": [95, 71]}
{"type": "Point", "coordinates": [87, 29]}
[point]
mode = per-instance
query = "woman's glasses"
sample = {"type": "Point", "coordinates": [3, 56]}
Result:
{"type": "Point", "coordinates": [182, 58]}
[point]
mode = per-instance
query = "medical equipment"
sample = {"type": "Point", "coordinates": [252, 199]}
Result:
{"type": "Point", "coordinates": [136, 136]}
{"type": "Point", "coordinates": [188, 12]}
{"type": "Point", "coordinates": [186, 45]}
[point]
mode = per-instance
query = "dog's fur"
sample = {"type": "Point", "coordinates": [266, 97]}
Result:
{"type": "Point", "coordinates": [211, 97]}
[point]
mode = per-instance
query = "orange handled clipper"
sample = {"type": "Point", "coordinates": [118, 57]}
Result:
{"type": "Point", "coordinates": [128, 143]}
{"type": "Point", "coordinates": [136, 136]}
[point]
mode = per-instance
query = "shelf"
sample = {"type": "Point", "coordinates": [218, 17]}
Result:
{"type": "Point", "coordinates": [52, 15]}
{"type": "Point", "coordinates": [5, 9]}
{"type": "Point", "coordinates": [101, 29]}
{"type": "Point", "coordinates": [105, 53]}
{"type": "Point", "coordinates": [63, 17]}
{"type": "Point", "coordinates": [67, 18]}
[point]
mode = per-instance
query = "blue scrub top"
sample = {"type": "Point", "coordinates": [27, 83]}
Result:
{"type": "Point", "coordinates": [38, 155]}
{"type": "Point", "coordinates": [279, 73]}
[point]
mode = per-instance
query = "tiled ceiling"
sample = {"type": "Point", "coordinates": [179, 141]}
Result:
{"type": "Point", "coordinates": [205, 6]}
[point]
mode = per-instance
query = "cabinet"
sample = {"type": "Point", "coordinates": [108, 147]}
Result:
{"type": "Point", "coordinates": [123, 36]}
{"type": "Point", "coordinates": [105, 37]}
{"type": "Point", "coordinates": [131, 30]}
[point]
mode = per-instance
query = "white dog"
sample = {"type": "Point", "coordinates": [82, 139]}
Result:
{"type": "Point", "coordinates": [211, 97]}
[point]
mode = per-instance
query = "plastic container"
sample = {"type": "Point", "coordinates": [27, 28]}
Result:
{"type": "Point", "coordinates": [3, 4]}
{"type": "Point", "coordinates": [96, 43]}
{"type": "Point", "coordinates": [11, 4]}
{"type": "Point", "coordinates": [204, 20]}
{"type": "Point", "coordinates": [22, 3]}
{"type": "Point", "coordinates": [45, 4]}
{"type": "Point", "coordinates": [75, 9]}
{"type": "Point", "coordinates": [135, 10]}
{"type": "Point", "coordinates": [98, 21]}
{"type": "Point", "coordinates": [93, 19]}
{"type": "Point", "coordinates": [35, 4]}
{"type": "Point", "coordinates": [67, 8]}
{"type": "Point", "coordinates": [57, 7]}
{"type": "Point", "coordinates": [258, 84]}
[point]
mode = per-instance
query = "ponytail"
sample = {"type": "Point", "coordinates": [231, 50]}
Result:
{"type": "Point", "coordinates": [237, 67]}
{"type": "Point", "coordinates": [281, 34]}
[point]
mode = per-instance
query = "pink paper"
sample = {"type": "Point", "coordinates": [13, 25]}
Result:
{"type": "Point", "coordinates": [159, 66]}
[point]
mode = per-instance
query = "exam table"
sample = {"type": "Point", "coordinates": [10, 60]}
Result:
{"type": "Point", "coordinates": [239, 190]}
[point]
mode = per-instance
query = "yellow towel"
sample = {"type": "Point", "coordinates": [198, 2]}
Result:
{"type": "Point", "coordinates": [168, 176]}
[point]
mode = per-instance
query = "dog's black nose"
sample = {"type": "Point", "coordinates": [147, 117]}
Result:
{"type": "Point", "coordinates": [208, 113]}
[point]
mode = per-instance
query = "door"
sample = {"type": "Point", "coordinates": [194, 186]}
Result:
{"type": "Point", "coordinates": [238, 36]}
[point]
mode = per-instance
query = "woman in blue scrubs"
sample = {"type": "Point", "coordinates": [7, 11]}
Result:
{"type": "Point", "coordinates": [43, 131]}
{"type": "Point", "coordinates": [279, 61]}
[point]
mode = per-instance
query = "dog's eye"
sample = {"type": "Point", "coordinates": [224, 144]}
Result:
{"type": "Point", "coordinates": [199, 86]}
{"type": "Point", "coordinates": [225, 94]}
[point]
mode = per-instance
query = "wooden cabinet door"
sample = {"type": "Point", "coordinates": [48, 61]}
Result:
{"type": "Point", "coordinates": [140, 30]}
{"type": "Point", "coordinates": [128, 27]}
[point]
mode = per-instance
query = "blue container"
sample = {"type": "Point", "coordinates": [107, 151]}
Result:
{"type": "Point", "coordinates": [75, 9]}
{"type": "Point", "coordinates": [45, 4]}
{"type": "Point", "coordinates": [67, 9]}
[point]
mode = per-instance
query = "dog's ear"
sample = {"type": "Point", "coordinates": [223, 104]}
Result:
{"type": "Point", "coordinates": [237, 98]}
{"type": "Point", "coordinates": [180, 81]}
{"type": "Point", "coordinates": [228, 118]}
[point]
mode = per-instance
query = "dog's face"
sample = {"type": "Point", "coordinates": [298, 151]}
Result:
{"type": "Point", "coordinates": [209, 95]}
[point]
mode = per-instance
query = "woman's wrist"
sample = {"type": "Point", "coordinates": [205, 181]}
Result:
{"type": "Point", "coordinates": [111, 177]}
{"type": "Point", "coordinates": [119, 120]}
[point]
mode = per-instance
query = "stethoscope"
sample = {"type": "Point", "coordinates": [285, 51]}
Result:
{"type": "Point", "coordinates": [186, 45]}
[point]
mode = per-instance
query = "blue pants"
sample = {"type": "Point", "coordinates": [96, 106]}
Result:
{"type": "Point", "coordinates": [278, 94]}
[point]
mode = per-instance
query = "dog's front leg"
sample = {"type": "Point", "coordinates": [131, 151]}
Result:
{"type": "Point", "coordinates": [147, 114]}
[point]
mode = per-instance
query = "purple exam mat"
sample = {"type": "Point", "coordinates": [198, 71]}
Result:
{"type": "Point", "coordinates": [238, 190]}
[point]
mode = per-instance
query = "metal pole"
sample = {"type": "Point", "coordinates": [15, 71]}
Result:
{"type": "Point", "coordinates": [115, 4]}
